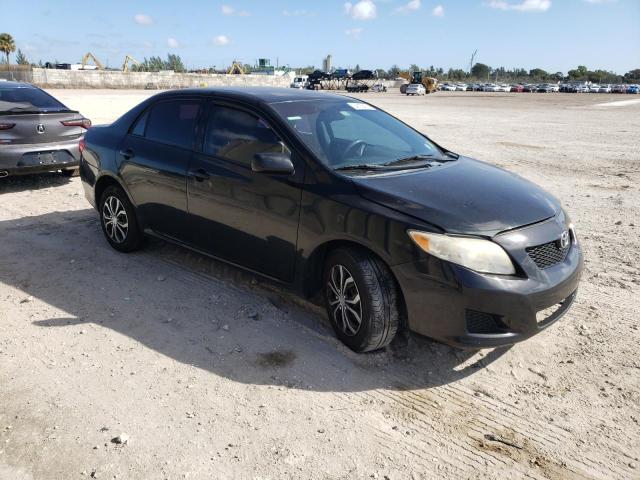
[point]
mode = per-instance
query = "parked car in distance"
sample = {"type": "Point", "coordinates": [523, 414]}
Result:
{"type": "Point", "coordinates": [517, 88]}
{"type": "Point", "coordinates": [301, 81]}
{"type": "Point", "coordinates": [333, 197]}
{"type": "Point", "coordinates": [545, 88]}
{"type": "Point", "coordinates": [490, 87]}
{"type": "Point", "coordinates": [530, 88]}
{"type": "Point", "coordinates": [416, 89]}
{"type": "Point", "coordinates": [619, 89]}
{"type": "Point", "coordinates": [634, 89]}
{"type": "Point", "coordinates": [461, 87]}
{"type": "Point", "coordinates": [604, 89]}
{"type": "Point", "coordinates": [448, 87]}
{"type": "Point", "coordinates": [594, 88]}
{"type": "Point", "coordinates": [37, 132]}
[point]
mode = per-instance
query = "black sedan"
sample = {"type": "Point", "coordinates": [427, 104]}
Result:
{"type": "Point", "coordinates": [37, 132]}
{"type": "Point", "coordinates": [332, 196]}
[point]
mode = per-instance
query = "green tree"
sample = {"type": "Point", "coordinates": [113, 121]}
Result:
{"type": "Point", "coordinates": [21, 58]}
{"type": "Point", "coordinates": [480, 71]}
{"type": "Point", "coordinates": [7, 46]}
{"type": "Point", "coordinates": [394, 71]}
{"type": "Point", "coordinates": [414, 68]}
{"type": "Point", "coordinates": [632, 76]}
{"type": "Point", "coordinates": [538, 74]}
{"type": "Point", "coordinates": [174, 62]}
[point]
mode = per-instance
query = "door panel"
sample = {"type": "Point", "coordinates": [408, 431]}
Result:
{"type": "Point", "coordinates": [153, 164]}
{"type": "Point", "coordinates": [156, 178]}
{"type": "Point", "coordinates": [245, 217]}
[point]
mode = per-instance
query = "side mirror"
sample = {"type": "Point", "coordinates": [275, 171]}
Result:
{"type": "Point", "coordinates": [276, 163]}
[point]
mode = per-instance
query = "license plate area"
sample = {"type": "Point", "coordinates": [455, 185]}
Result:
{"type": "Point", "coordinates": [52, 157]}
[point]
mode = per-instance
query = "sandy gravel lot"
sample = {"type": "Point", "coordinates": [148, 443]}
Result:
{"type": "Point", "coordinates": [160, 345]}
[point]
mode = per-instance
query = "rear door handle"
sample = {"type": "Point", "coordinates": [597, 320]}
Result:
{"type": "Point", "coordinates": [128, 153]}
{"type": "Point", "coordinates": [200, 174]}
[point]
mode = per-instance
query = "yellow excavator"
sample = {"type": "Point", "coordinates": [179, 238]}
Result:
{"type": "Point", "coordinates": [91, 56]}
{"type": "Point", "coordinates": [236, 69]}
{"type": "Point", "coordinates": [430, 84]}
{"type": "Point", "coordinates": [125, 64]}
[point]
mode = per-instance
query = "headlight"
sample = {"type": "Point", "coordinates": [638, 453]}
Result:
{"type": "Point", "coordinates": [474, 253]}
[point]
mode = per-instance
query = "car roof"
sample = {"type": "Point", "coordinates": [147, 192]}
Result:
{"type": "Point", "coordinates": [258, 94]}
{"type": "Point", "coordinates": [11, 84]}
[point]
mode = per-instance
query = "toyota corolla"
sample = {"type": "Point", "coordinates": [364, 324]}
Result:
{"type": "Point", "coordinates": [340, 201]}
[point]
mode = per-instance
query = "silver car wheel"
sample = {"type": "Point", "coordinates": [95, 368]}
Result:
{"type": "Point", "coordinates": [344, 300]}
{"type": "Point", "coordinates": [114, 217]}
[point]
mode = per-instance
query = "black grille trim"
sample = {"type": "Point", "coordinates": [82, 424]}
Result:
{"type": "Point", "coordinates": [481, 322]}
{"type": "Point", "coordinates": [548, 254]}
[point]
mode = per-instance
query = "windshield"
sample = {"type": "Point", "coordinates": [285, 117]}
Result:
{"type": "Point", "coordinates": [345, 133]}
{"type": "Point", "coordinates": [20, 100]}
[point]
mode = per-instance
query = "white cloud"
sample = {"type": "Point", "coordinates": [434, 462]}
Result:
{"type": "Point", "coordinates": [142, 19]}
{"type": "Point", "coordinates": [173, 43]}
{"type": "Point", "coordinates": [354, 32]}
{"type": "Point", "coordinates": [412, 6]}
{"type": "Point", "coordinates": [600, 1]}
{"type": "Point", "coordinates": [229, 11]}
{"type": "Point", "coordinates": [438, 11]}
{"type": "Point", "coordinates": [298, 13]}
{"type": "Point", "coordinates": [524, 6]}
{"type": "Point", "coordinates": [221, 40]}
{"type": "Point", "coordinates": [363, 10]}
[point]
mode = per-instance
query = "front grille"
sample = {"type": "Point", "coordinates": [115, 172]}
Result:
{"type": "Point", "coordinates": [548, 254]}
{"type": "Point", "coordinates": [481, 322]}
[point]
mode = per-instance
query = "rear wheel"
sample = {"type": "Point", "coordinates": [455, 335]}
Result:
{"type": "Point", "coordinates": [362, 299]}
{"type": "Point", "coordinates": [119, 221]}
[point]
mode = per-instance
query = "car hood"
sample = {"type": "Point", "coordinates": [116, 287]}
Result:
{"type": "Point", "coordinates": [464, 196]}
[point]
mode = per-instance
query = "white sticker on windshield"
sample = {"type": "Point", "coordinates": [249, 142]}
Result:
{"type": "Point", "coordinates": [360, 106]}
{"type": "Point", "coordinates": [291, 119]}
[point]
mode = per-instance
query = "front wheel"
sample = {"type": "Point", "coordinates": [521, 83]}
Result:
{"type": "Point", "coordinates": [119, 221]}
{"type": "Point", "coordinates": [362, 299]}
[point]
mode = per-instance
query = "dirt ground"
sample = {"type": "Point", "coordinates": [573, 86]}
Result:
{"type": "Point", "coordinates": [161, 346]}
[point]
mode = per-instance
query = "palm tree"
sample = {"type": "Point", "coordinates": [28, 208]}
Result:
{"type": "Point", "coordinates": [7, 45]}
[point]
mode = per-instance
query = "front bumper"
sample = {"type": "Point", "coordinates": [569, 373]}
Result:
{"type": "Point", "coordinates": [20, 159]}
{"type": "Point", "coordinates": [444, 301]}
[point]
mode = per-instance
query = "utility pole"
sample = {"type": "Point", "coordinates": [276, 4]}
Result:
{"type": "Point", "coordinates": [471, 61]}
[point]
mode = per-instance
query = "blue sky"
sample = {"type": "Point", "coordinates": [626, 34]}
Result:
{"type": "Point", "coordinates": [555, 35]}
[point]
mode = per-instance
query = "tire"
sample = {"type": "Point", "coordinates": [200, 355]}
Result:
{"type": "Point", "coordinates": [368, 279]}
{"type": "Point", "coordinates": [71, 172]}
{"type": "Point", "coordinates": [125, 234]}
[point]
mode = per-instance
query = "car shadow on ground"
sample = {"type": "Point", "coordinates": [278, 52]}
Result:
{"type": "Point", "coordinates": [201, 312]}
{"type": "Point", "coordinates": [20, 183]}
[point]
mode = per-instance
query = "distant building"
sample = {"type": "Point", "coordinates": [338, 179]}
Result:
{"type": "Point", "coordinates": [326, 64]}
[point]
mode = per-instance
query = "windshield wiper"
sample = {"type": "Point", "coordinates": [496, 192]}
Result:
{"type": "Point", "coordinates": [364, 166]}
{"type": "Point", "coordinates": [411, 159]}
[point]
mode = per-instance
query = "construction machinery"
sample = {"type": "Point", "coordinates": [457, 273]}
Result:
{"type": "Point", "coordinates": [91, 56]}
{"type": "Point", "coordinates": [129, 59]}
{"type": "Point", "coordinates": [236, 69]}
{"type": "Point", "coordinates": [430, 84]}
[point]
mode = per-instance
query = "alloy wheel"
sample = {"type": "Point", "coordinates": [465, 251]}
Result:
{"type": "Point", "coordinates": [344, 300]}
{"type": "Point", "coordinates": [116, 222]}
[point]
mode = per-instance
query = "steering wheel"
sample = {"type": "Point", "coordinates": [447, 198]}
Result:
{"type": "Point", "coordinates": [353, 146]}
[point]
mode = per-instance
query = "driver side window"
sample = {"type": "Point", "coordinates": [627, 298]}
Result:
{"type": "Point", "coordinates": [238, 136]}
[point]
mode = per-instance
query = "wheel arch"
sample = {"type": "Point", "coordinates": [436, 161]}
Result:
{"type": "Point", "coordinates": [314, 267]}
{"type": "Point", "coordinates": [103, 183]}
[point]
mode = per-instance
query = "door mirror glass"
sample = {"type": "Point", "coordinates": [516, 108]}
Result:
{"type": "Point", "coordinates": [276, 163]}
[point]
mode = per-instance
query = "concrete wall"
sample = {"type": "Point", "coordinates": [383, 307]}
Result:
{"type": "Point", "coordinates": [52, 78]}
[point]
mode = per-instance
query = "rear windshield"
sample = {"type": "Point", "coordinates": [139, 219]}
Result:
{"type": "Point", "coordinates": [26, 100]}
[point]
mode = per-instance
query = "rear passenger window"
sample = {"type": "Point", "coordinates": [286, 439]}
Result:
{"type": "Point", "coordinates": [238, 136]}
{"type": "Point", "coordinates": [173, 122]}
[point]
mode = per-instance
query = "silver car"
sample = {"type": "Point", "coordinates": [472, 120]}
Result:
{"type": "Point", "coordinates": [37, 132]}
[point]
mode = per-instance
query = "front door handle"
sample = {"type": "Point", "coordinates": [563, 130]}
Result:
{"type": "Point", "coordinates": [200, 174]}
{"type": "Point", "coordinates": [127, 154]}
